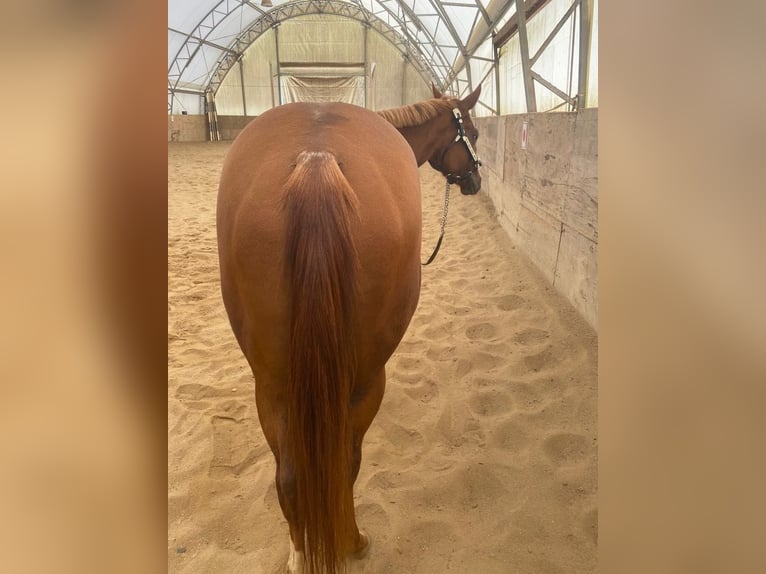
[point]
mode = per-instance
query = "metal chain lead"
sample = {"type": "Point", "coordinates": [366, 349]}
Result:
{"type": "Point", "coordinates": [446, 207]}
{"type": "Point", "coordinates": [444, 224]}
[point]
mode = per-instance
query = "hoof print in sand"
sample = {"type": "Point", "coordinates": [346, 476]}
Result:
{"type": "Point", "coordinates": [232, 450]}
{"type": "Point", "coordinates": [566, 448]}
{"type": "Point", "coordinates": [489, 403]}
{"type": "Point", "coordinates": [481, 331]}
{"type": "Point", "coordinates": [510, 302]}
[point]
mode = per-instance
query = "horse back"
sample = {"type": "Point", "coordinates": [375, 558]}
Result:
{"type": "Point", "coordinates": [385, 226]}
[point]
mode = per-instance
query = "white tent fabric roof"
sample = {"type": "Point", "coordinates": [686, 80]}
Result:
{"type": "Point", "coordinates": [205, 37]}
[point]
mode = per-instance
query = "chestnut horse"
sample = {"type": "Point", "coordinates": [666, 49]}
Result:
{"type": "Point", "coordinates": [319, 236]}
{"type": "Point", "coordinates": [424, 129]}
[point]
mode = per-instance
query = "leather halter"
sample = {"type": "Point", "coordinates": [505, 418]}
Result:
{"type": "Point", "coordinates": [460, 137]}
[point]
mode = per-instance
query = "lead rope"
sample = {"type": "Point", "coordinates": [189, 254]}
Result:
{"type": "Point", "coordinates": [444, 224]}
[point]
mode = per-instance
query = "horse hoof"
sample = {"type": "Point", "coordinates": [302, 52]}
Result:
{"type": "Point", "coordinates": [295, 561]}
{"type": "Point", "coordinates": [361, 553]}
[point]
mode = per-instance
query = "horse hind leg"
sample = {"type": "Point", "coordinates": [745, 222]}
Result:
{"type": "Point", "coordinates": [360, 545]}
{"type": "Point", "coordinates": [364, 408]}
{"type": "Point", "coordinates": [358, 542]}
{"type": "Point", "coordinates": [366, 400]}
{"type": "Point", "coordinates": [285, 481]}
{"type": "Point", "coordinates": [363, 546]}
{"type": "Point", "coordinates": [295, 561]}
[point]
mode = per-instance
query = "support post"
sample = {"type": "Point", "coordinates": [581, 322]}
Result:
{"type": "Point", "coordinates": [271, 84]}
{"type": "Point", "coordinates": [365, 28]}
{"type": "Point", "coordinates": [529, 86]}
{"type": "Point", "coordinates": [404, 80]}
{"type": "Point", "coordinates": [467, 60]}
{"type": "Point", "coordinates": [242, 85]}
{"type": "Point", "coordinates": [279, 73]}
{"type": "Point", "coordinates": [496, 55]}
{"type": "Point", "coordinates": [586, 19]}
{"type": "Point", "coordinates": [563, 95]}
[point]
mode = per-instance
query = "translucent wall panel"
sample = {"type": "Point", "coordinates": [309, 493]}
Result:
{"type": "Point", "coordinates": [321, 39]}
{"type": "Point", "coordinates": [512, 98]}
{"type": "Point", "coordinates": [451, 53]}
{"type": "Point", "coordinates": [259, 62]}
{"type": "Point", "coordinates": [197, 71]}
{"type": "Point", "coordinates": [558, 63]}
{"type": "Point", "coordinates": [434, 27]}
{"type": "Point", "coordinates": [387, 66]}
{"type": "Point", "coordinates": [592, 100]}
{"type": "Point", "coordinates": [260, 65]}
{"type": "Point", "coordinates": [229, 28]}
{"type": "Point", "coordinates": [459, 87]}
{"type": "Point", "coordinates": [428, 16]}
{"type": "Point", "coordinates": [462, 19]}
{"type": "Point", "coordinates": [228, 100]}
{"type": "Point", "coordinates": [189, 103]}
{"type": "Point", "coordinates": [387, 88]}
{"type": "Point", "coordinates": [184, 15]}
{"type": "Point", "coordinates": [482, 71]}
{"type": "Point", "coordinates": [417, 89]}
{"type": "Point", "coordinates": [175, 41]}
{"type": "Point", "coordinates": [543, 22]}
{"type": "Point", "coordinates": [348, 89]}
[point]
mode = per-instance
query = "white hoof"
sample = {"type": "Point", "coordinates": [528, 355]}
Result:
{"type": "Point", "coordinates": [295, 560]}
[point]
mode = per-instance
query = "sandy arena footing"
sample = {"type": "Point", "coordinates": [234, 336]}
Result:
{"type": "Point", "coordinates": [483, 457]}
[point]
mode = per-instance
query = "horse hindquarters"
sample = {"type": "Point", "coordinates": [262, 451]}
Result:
{"type": "Point", "coordinates": [320, 268]}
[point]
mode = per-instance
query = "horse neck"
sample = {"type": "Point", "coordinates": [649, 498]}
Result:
{"type": "Point", "coordinates": [423, 140]}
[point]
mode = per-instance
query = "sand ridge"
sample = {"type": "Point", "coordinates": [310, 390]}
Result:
{"type": "Point", "coordinates": [483, 457]}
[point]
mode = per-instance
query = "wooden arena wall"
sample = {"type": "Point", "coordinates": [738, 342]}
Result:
{"type": "Point", "coordinates": [546, 196]}
{"type": "Point", "coordinates": [190, 128]}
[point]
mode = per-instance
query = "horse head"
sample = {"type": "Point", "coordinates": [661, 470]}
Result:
{"type": "Point", "coordinates": [457, 159]}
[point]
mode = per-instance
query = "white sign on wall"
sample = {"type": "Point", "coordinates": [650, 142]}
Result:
{"type": "Point", "coordinates": [524, 135]}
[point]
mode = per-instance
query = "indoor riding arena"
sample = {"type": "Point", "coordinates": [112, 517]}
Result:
{"type": "Point", "coordinates": [482, 457]}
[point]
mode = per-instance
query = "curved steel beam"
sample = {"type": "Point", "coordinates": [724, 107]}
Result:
{"type": "Point", "coordinates": [309, 7]}
{"type": "Point", "coordinates": [455, 37]}
{"type": "Point", "coordinates": [200, 34]}
{"type": "Point", "coordinates": [480, 33]}
{"type": "Point", "coordinates": [401, 15]}
{"type": "Point", "coordinates": [416, 41]}
{"type": "Point", "coordinates": [426, 49]}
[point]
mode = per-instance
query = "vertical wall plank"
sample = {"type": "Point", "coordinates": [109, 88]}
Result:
{"type": "Point", "coordinates": [546, 197]}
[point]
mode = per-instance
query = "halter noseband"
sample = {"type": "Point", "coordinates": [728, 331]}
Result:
{"type": "Point", "coordinates": [460, 137]}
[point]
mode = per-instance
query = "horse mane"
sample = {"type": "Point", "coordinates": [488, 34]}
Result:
{"type": "Point", "coordinates": [418, 113]}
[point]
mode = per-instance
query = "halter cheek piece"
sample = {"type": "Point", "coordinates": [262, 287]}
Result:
{"type": "Point", "coordinates": [460, 137]}
{"type": "Point", "coordinates": [451, 177]}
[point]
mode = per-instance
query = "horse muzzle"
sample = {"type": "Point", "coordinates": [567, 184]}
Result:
{"type": "Point", "coordinates": [471, 185]}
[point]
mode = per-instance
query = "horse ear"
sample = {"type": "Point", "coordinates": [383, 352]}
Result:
{"type": "Point", "coordinates": [437, 93]}
{"type": "Point", "coordinates": [470, 100]}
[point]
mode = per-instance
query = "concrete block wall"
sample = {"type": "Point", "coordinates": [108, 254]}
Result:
{"type": "Point", "coordinates": [230, 126]}
{"type": "Point", "coordinates": [187, 128]}
{"type": "Point", "coordinates": [546, 196]}
{"type": "Point", "coordinates": [194, 128]}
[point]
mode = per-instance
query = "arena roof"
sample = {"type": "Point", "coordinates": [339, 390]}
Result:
{"type": "Point", "coordinates": [206, 37]}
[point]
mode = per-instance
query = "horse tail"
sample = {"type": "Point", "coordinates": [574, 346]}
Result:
{"type": "Point", "coordinates": [321, 262]}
